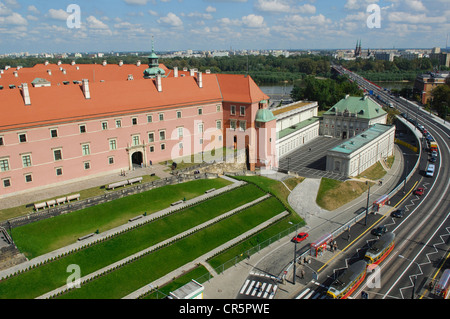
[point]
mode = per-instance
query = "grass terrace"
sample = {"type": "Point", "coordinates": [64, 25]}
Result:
{"type": "Point", "coordinates": [45, 278]}
{"type": "Point", "coordinates": [133, 276]}
{"type": "Point", "coordinates": [50, 234]}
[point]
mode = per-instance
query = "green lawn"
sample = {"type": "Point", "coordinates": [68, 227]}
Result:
{"type": "Point", "coordinates": [333, 194]}
{"type": "Point", "coordinates": [50, 234]}
{"type": "Point", "coordinates": [31, 285]}
{"type": "Point", "coordinates": [152, 266]}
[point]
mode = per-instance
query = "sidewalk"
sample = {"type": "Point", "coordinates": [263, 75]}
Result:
{"type": "Point", "coordinates": [58, 191]}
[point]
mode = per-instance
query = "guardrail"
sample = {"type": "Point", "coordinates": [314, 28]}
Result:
{"type": "Point", "coordinates": [357, 218]}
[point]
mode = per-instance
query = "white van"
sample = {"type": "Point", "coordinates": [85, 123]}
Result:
{"type": "Point", "coordinates": [430, 170]}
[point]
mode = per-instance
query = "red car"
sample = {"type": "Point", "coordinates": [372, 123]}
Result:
{"type": "Point", "coordinates": [300, 237]}
{"type": "Point", "coordinates": [419, 191]}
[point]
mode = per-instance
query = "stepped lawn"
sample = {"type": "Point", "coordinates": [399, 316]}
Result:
{"type": "Point", "coordinates": [50, 234]}
{"type": "Point", "coordinates": [45, 278]}
{"type": "Point", "coordinates": [145, 270]}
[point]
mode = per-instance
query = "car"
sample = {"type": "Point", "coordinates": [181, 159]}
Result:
{"type": "Point", "coordinates": [380, 230]}
{"type": "Point", "coordinates": [432, 159]}
{"type": "Point", "coordinates": [300, 237]}
{"type": "Point", "coordinates": [433, 154]}
{"type": "Point", "coordinates": [419, 191]}
{"type": "Point", "coordinates": [398, 213]}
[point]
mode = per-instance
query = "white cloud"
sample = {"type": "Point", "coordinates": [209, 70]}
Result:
{"type": "Point", "coordinates": [358, 4]}
{"type": "Point", "coordinates": [272, 6]}
{"type": "Point", "coordinates": [137, 2]}
{"type": "Point", "coordinates": [58, 14]}
{"type": "Point", "coordinates": [253, 21]}
{"type": "Point", "coordinates": [171, 19]}
{"type": "Point", "coordinates": [4, 10]}
{"type": "Point", "coordinates": [33, 9]}
{"type": "Point", "coordinates": [210, 9]}
{"type": "Point", "coordinates": [94, 23]}
{"type": "Point", "coordinates": [13, 19]}
{"type": "Point", "coordinates": [414, 19]}
{"type": "Point", "coordinates": [416, 5]}
{"type": "Point", "coordinates": [153, 13]}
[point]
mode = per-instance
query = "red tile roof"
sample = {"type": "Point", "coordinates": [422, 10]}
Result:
{"type": "Point", "coordinates": [115, 96]}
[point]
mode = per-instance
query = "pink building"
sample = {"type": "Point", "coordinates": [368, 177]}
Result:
{"type": "Point", "coordinates": [113, 118]}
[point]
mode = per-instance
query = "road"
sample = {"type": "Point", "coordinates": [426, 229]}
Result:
{"type": "Point", "coordinates": [422, 236]}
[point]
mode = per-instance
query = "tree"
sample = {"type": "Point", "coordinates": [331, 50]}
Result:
{"type": "Point", "coordinates": [441, 99]}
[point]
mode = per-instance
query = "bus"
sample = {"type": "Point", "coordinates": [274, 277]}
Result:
{"type": "Point", "coordinates": [380, 250]}
{"type": "Point", "coordinates": [430, 170]}
{"type": "Point", "coordinates": [347, 283]}
{"type": "Point", "coordinates": [443, 287]}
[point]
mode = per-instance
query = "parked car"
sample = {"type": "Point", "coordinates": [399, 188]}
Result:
{"type": "Point", "coordinates": [433, 154]}
{"type": "Point", "coordinates": [380, 230]}
{"type": "Point", "coordinates": [398, 213]}
{"type": "Point", "coordinates": [419, 191]}
{"type": "Point", "coordinates": [300, 237]}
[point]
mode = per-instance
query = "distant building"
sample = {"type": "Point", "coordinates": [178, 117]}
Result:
{"type": "Point", "coordinates": [384, 56]}
{"type": "Point", "coordinates": [357, 154]}
{"type": "Point", "coordinates": [443, 58]}
{"type": "Point", "coordinates": [351, 116]}
{"type": "Point", "coordinates": [425, 83]}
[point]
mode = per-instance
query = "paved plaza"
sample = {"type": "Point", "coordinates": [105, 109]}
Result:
{"type": "Point", "coordinates": [310, 159]}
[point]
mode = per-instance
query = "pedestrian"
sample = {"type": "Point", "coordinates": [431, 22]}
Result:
{"type": "Point", "coordinates": [302, 274]}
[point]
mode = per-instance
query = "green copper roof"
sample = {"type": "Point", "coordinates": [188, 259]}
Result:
{"type": "Point", "coordinates": [363, 107]}
{"type": "Point", "coordinates": [358, 141]}
{"type": "Point", "coordinates": [152, 72]}
{"type": "Point", "coordinates": [264, 115]}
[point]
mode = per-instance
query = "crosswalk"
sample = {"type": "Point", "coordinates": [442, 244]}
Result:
{"type": "Point", "coordinates": [258, 289]}
{"type": "Point", "coordinates": [308, 293]}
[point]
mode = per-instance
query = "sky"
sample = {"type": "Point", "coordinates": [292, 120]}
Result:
{"type": "Point", "coordinates": [38, 26]}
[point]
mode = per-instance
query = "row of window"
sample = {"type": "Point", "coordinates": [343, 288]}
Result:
{"type": "Point", "coordinates": [58, 172]}
{"type": "Point", "coordinates": [241, 110]}
{"type": "Point", "coordinates": [162, 133]}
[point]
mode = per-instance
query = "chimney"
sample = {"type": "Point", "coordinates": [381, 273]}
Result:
{"type": "Point", "coordinates": [46, 63]}
{"type": "Point", "coordinates": [15, 74]}
{"type": "Point", "coordinates": [192, 71]}
{"type": "Point", "coordinates": [158, 82]}
{"type": "Point", "coordinates": [73, 62]}
{"type": "Point", "coordinates": [175, 71]}
{"type": "Point", "coordinates": [59, 62]}
{"type": "Point", "coordinates": [49, 72]}
{"type": "Point", "coordinates": [104, 63]}
{"type": "Point", "coordinates": [85, 86]}
{"type": "Point", "coordinates": [138, 63]}
{"type": "Point", "coordinates": [120, 63]}
{"type": "Point", "coordinates": [26, 94]}
{"type": "Point", "coordinates": [200, 79]}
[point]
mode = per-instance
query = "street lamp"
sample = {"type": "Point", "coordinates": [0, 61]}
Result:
{"type": "Point", "coordinates": [367, 205]}
{"type": "Point", "coordinates": [415, 276]}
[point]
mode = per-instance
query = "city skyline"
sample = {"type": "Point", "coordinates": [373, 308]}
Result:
{"type": "Point", "coordinates": [176, 25]}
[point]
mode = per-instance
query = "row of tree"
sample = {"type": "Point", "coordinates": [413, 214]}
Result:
{"type": "Point", "coordinates": [327, 92]}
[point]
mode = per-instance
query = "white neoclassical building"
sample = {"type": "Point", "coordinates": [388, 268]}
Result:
{"type": "Point", "coordinates": [351, 116]}
{"type": "Point", "coordinates": [357, 154]}
{"type": "Point", "coordinates": [297, 124]}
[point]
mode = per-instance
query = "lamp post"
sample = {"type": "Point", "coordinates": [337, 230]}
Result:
{"type": "Point", "coordinates": [415, 276]}
{"type": "Point", "coordinates": [367, 205]}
